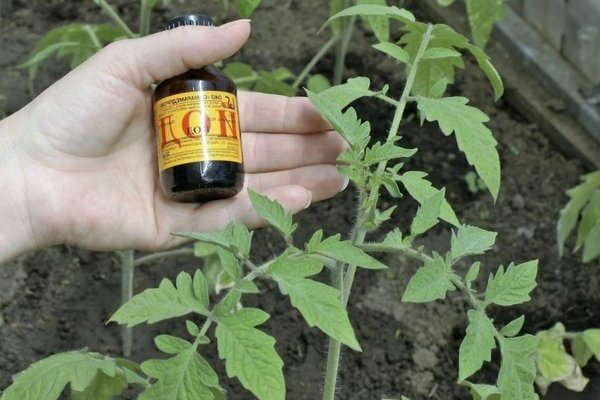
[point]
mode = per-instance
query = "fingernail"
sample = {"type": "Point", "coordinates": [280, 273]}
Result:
{"type": "Point", "coordinates": [308, 200]}
{"type": "Point", "coordinates": [345, 185]}
{"type": "Point", "coordinates": [242, 20]}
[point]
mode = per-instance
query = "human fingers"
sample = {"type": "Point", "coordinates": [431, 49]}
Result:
{"type": "Point", "coordinates": [261, 112]}
{"type": "Point", "coordinates": [163, 55]}
{"type": "Point", "coordinates": [323, 181]}
{"type": "Point", "coordinates": [265, 152]}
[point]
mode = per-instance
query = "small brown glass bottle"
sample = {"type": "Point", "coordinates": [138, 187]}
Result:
{"type": "Point", "coordinates": [198, 131]}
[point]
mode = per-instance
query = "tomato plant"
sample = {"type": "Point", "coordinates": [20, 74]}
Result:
{"type": "Point", "coordinates": [429, 54]}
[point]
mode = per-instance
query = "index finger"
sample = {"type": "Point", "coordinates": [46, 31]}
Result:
{"type": "Point", "coordinates": [270, 113]}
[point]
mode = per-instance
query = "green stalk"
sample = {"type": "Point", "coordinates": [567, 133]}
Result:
{"type": "Point", "coordinates": [145, 12]}
{"type": "Point", "coordinates": [360, 232]}
{"type": "Point", "coordinates": [115, 18]}
{"type": "Point", "coordinates": [128, 268]}
{"type": "Point", "coordinates": [163, 254]}
{"type": "Point", "coordinates": [226, 8]}
{"type": "Point", "coordinates": [342, 50]}
{"type": "Point", "coordinates": [311, 64]}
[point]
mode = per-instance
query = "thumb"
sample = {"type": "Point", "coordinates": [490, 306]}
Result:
{"type": "Point", "coordinates": [163, 55]}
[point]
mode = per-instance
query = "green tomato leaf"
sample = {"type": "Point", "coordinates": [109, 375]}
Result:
{"type": "Point", "coordinates": [488, 69]}
{"type": "Point", "coordinates": [379, 25]}
{"type": "Point", "coordinates": [346, 93]}
{"type": "Point", "coordinates": [385, 152]}
{"type": "Point", "coordinates": [294, 266]}
{"type": "Point", "coordinates": [77, 41]}
{"type": "Point", "coordinates": [243, 75]}
{"type": "Point", "coordinates": [342, 250]}
{"type": "Point", "coordinates": [319, 304]}
{"type": "Point", "coordinates": [517, 370]}
{"type": "Point", "coordinates": [103, 387]}
{"type": "Point", "coordinates": [51, 375]}
{"type": "Point", "coordinates": [473, 137]}
{"type": "Point", "coordinates": [512, 287]}
{"type": "Point", "coordinates": [200, 286]}
{"type": "Point", "coordinates": [245, 8]}
{"type": "Point", "coordinates": [204, 250]}
{"type": "Point", "coordinates": [552, 360]}
{"type": "Point", "coordinates": [579, 197]}
{"type": "Point", "coordinates": [318, 83]}
{"type": "Point", "coordinates": [192, 328]}
{"type": "Point", "coordinates": [274, 82]}
{"type": "Point", "coordinates": [230, 264]}
{"type": "Point", "coordinates": [591, 249]}
{"type": "Point", "coordinates": [250, 354]}
{"type": "Point", "coordinates": [581, 351]}
{"type": "Point", "coordinates": [591, 337]}
{"type": "Point", "coordinates": [347, 124]}
{"type": "Point", "coordinates": [164, 302]}
{"type": "Point", "coordinates": [440, 52]}
{"type": "Point", "coordinates": [477, 346]}
{"type": "Point", "coordinates": [590, 217]}
{"type": "Point", "coordinates": [482, 16]}
{"type": "Point", "coordinates": [235, 238]}
{"type": "Point", "coordinates": [390, 185]}
{"type": "Point", "coordinates": [514, 327]}
{"type": "Point", "coordinates": [431, 282]}
{"type": "Point", "coordinates": [484, 392]}
{"type": "Point", "coordinates": [274, 213]}
{"type": "Point", "coordinates": [394, 51]}
{"type": "Point", "coordinates": [470, 240]}
{"type": "Point", "coordinates": [372, 10]}
{"type": "Point", "coordinates": [473, 272]}
{"type": "Point", "coordinates": [182, 377]}
{"type": "Point", "coordinates": [228, 304]}
{"type": "Point", "coordinates": [171, 344]}
{"type": "Point", "coordinates": [421, 189]}
{"type": "Point", "coordinates": [432, 71]}
{"type": "Point", "coordinates": [246, 286]}
{"type": "Point", "coordinates": [428, 214]}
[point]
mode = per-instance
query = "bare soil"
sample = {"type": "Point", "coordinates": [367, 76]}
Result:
{"type": "Point", "coordinates": [59, 298]}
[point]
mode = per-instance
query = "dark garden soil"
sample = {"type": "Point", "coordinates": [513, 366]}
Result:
{"type": "Point", "coordinates": [59, 298]}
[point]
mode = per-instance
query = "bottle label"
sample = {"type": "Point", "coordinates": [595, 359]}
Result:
{"type": "Point", "coordinates": [197, 126]}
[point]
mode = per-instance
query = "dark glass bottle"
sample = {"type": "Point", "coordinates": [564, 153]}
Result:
{"type": "Point", "coordinates": [198, 131]}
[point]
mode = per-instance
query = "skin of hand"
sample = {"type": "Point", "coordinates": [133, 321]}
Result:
{"type": "Point", "coordinates": [79, 162]}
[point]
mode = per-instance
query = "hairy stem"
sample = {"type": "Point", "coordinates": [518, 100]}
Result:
{"type": "Point", "coordinates": [128, 268]}
{"type": "Point", "coordinates": [115, 18]}
{"type": "Point", "coordinates": [311, 64]}
{"type": "Point", "coordinates": [359, 232]}
{"type": "Point", "coordinates": [163, 254]}
{"type": "Point", "coordinates": [145, 12]}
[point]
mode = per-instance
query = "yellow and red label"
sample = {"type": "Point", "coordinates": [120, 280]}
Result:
{"type": "Point", "coordinates": [197, 126]}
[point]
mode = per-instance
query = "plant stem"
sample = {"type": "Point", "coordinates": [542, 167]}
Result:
{"type": "Point", "coordinates": [359, 233]}
{"type": "Point", "coordinates": [377, 247]}
{"type": "Point", "coordinates": [145, 12]}
{"type": "Point", "coordinates": [387, 99]}
{"type": "Point", "coordinates": [128, 269]}
{"type": "Point", "coordinates": [311, 64]}
{"type": "Point", "coordinates": [114, 16]}
{"type": "Point", "coordinates": [342, 50]}
{"type": "Point", "coordinates": [93, 36]}
{"type": "Point", "coordinates": [226, 7]}
{"type": "Point", "coordinates": [163, 254]}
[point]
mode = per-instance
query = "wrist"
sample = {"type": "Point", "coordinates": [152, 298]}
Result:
{"type": "Point", "coordinates": [17, 224]}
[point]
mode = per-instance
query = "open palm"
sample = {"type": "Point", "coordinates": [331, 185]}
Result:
{"type": "Point", "coordinates": [88, 148]}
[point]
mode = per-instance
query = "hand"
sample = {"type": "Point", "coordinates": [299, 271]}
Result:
{"type": "Point", "coordinates": [86, 158]}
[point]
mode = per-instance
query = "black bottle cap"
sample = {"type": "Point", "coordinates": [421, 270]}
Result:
{"type": "Point", "coordinates": [189, 19]}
